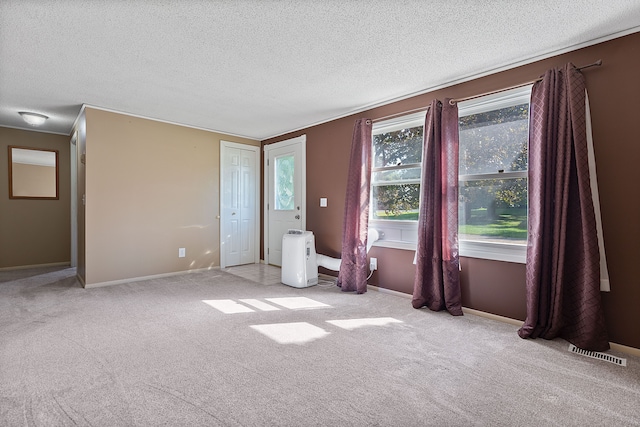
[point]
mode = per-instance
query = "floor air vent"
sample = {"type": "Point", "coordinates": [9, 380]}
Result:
{"type": "Point", "coordinates": [597, 355]}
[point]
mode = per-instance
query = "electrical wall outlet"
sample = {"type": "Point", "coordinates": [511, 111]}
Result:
{"type": "Point", "coordinates": [182, 252]}
{"type": "Point", "coordinates": [373, 264]}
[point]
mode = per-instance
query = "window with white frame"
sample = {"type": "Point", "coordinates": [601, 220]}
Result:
{"type": "Point", "coordinates": [494, 138]}
{"type": "Point", "coordinates": [494, 135]}
{"type": "Point", "coordinates": [395, 179]}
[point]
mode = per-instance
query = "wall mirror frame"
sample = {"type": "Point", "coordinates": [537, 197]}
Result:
{"type": "Point", "coordinates": [33, 173]}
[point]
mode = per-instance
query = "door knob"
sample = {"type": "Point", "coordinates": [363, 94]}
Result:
{"type": "Point", "coordinates": [233, 213]}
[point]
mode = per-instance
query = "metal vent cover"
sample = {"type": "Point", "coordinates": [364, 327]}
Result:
{"type": "Point", "coordinates": [598, 355]}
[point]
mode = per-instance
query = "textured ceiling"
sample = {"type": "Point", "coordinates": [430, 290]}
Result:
{"type": "Point", "coordinates": [261, 68]}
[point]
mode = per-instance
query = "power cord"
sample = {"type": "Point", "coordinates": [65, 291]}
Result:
{"type": "Point", "coordinates": [326, 283]}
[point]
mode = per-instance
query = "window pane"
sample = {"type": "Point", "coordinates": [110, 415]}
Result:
{"type": "Point", "coordinates": [495, 140]}
{"type": "Point", "coordinates": [285, 197]}
{"type": "Point", "coordinates": [493, 210]}
{"type": "Point", "coordinates": [396, 202]}
{"type": "Point", "coordinates": [399, 147]}
{"type": "Point", "coordinates": [395, 175]}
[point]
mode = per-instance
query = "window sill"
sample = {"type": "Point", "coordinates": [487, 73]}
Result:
{"type": "Point", "coordinates": [468, 249]}
{"type": "Point", "coordinates": [494, 251]}
{"type": "Point", "coordinates": [394, 244]}
{"type": "Point", "coordinates": [396, 234]}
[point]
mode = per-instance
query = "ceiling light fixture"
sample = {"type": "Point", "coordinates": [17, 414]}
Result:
{"type": "Point", "coordinates": [33, 119]}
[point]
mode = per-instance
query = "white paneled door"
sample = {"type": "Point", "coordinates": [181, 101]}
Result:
{"type": "Point", "coordinates": [239, 219]}
{"type": "Point", "coordinates": [285, 193]}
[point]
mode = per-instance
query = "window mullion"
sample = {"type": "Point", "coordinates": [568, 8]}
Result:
{"type": "Point", "coordinates": [396, 167]}
{"type": "Point", "coordinates": [499, 175]}
{"type": "Point", "coordinates": [395, 182]}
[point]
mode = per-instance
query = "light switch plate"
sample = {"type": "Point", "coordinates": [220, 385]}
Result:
{"type": "Point", "coordinates": [323, 202]}
{"type": "Point", "coordinates": [182, 252]}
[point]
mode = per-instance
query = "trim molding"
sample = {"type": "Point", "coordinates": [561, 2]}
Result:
{"type": "Point", "coordinates": [492, 316]}
{"type": "Point", "coordinates": [615, 347]}
{"type": "Point", "coordinates": [140, 116]}
{"type": "Point", "coordinates": [24, 267]}
{"type": "Point", "coordinates": [467, 78]}
{"type": "Point", "coordinates": [625, 349]}
{"type": "Point", "coordinates": [141, 278]}
{"type": "Point", "coordinates": [389, 291]}
{"type": "Point", "coordinates": [35, 130]}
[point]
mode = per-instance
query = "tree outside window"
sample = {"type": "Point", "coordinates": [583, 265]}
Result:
{"type": "Point", "coordinates": [492, 176]}
{"type": "Point", "coordinates": [397, 157]}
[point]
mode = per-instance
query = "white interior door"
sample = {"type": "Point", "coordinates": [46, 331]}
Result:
{"type": "Point", "coordinates": [285, 193]}
{"type": "Point", "coordinates": [239, 214]}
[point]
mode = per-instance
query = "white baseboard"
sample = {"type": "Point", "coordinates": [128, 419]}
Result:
{"type": "Point", "coordinates": [492, 316]}
{"type": "Point", "coordinates": [141, 278]}
{"type": "Point", "coordinates": [625, 349]}
{"type": "Point", "coordinates": [389, 291]}
{"type": "Point", "coordinates": [616, 347]}
{"type": "Point", "coordinates": [24, 267]}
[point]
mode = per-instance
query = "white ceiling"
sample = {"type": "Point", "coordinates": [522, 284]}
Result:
{"type": "Point", "coordinates": [261, 68]}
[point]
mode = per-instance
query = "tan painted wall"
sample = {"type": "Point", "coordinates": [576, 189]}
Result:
{"type": "Point", "coordinates": [34, 232]}
{"type": "Point", "coordinates": [499, 287]}
{"type": "Point", "coordinates": [151, 188]}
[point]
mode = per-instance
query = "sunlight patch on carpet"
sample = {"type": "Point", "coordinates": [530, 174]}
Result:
{"type": "Point", "coordinates": [351, 324]}
{"type": "Point", "coordinates": [291, 333]}
{"type": "Point", "coordinates": [297, 303]}
{"type": "Point", "coordinates": [260, 305]}
{"type": "Point", "coordinates": [228, 306]}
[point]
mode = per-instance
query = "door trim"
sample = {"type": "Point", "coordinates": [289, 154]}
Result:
{"type": "Point", "coordinates": [256, 152]}
{"type": "Point", "coordinates": [74, 199]}
{"type": "Point", "coordinates": [302, 141]}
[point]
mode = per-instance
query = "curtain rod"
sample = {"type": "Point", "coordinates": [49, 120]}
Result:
{"type": "Point", "coordinates": [391, 116]}
{"type": "Point", "coordinates": [454, 101]}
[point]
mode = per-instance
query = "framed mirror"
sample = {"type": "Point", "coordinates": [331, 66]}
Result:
{"type": "Point", "coordinates": [33, 173]}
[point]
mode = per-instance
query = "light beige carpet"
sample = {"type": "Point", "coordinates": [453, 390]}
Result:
{"type": "Point", "coordinates": [213, 349]}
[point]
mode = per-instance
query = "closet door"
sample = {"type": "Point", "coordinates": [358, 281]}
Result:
{"type": "Point", "coordinates": [239, 214]}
